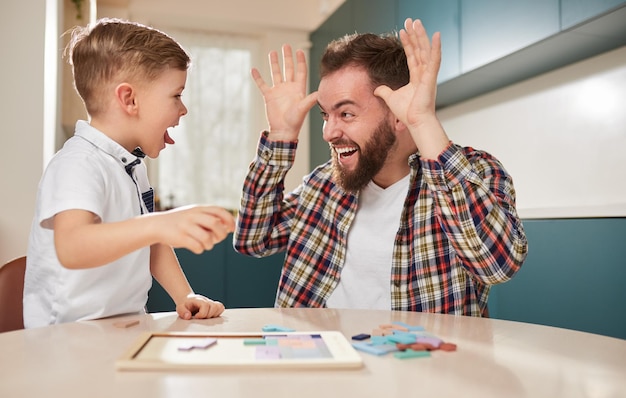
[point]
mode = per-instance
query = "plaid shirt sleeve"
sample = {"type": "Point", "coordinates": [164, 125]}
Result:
{"type": "Point", "coordinates": [264, 219]}
{"type": "Point", "coordinates": [475, 203]}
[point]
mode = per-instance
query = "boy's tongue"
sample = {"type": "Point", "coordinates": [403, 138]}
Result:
{"type": "Point", "coordinates": [168, 139]}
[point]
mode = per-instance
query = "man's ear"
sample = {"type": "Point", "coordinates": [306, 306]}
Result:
{"type": "Point", "coordinates": [398, 126]}
{"type": "Point", "coordinates": [125, 95]}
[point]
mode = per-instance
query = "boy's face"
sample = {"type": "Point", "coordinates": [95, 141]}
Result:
{"type": "Point", "coordinates": [160, 108]}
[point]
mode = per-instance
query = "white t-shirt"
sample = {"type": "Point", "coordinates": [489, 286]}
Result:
{"type": "Point", "coordinates": [87, 173]}
{"type": "Point", "coordinates": [366, 274]}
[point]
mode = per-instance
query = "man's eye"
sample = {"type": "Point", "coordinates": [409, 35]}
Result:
{"type": "Point", "coordinates": [324, 115]}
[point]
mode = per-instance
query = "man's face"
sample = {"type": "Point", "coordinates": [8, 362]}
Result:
{"type": "Point", "coordinates": [372, 156]}
{"type": "Point", "coordinates": [357, 126]}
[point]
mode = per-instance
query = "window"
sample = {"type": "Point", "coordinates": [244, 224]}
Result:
{"type": "Point", "coordinates": [208, 162]}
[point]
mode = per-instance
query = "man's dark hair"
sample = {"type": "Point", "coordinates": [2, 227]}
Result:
{"type": "Point", "coordinates": [382, 56]}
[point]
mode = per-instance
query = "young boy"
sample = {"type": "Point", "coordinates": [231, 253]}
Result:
{"type": "Point", "coordinates": [94, 244]}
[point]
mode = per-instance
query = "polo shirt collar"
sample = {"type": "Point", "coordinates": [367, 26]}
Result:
{"type": "Point", "coordinates": [103, 142]}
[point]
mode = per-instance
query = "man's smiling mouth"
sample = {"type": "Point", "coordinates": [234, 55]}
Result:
{"type": "Point", "coordinates": [346, 152]}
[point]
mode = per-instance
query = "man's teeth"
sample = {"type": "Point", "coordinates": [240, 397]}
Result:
{"type": "Point", "coordinates": [345, 151]}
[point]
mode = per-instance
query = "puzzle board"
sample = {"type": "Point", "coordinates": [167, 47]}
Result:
{"type": "Point", "coordinates": [173, 351]}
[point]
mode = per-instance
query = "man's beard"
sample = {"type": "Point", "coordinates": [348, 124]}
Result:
{"type": "Point", "coordinates": [372, 157]}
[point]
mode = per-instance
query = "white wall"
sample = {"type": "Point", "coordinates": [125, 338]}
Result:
{"type": "Point", "coordinates": [22, 25]}
{"type": "Point", "coordinates": [170, 17]}
{"type": "Point", "coordinates": [561, 135]}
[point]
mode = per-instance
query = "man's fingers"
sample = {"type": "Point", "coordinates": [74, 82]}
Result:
{"type": "Point", "coordinates": [436, 50]}
{"type": "Point", "coordinates": [383, 92]}
{"type": "Point", "coordinates": [260, 83]}
{"type": "Point", "coordinates": [423, 42]}
{"type": "Point", "coordinates": [288, 63]}
{"type": "Point", "coordinates": [277, 75]}
{"type": "Point", "coordinates": [308, 102]}
{"type": "Point", "coordinates": [301, 69]}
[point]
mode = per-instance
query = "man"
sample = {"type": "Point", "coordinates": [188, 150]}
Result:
{"type": "Point", "coordinates": [400, 218]}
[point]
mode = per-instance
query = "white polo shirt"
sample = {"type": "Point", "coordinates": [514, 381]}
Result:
{"type": "Point", "coordinates": [88, 173]}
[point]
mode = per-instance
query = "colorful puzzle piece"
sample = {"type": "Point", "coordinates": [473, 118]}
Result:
{"type": "Point", "coordinates": [290, 346]}
{"type": "Point", "coordinates": [411, 354]}
{"type": "Point", "coordinates": [361, 336]}
{"type": "Point", "coordinates": [406, 341]}
{"type": "Point", "coordinates": [381, 349]}
{"type": "Point", "coordinates": [276, 328]}
{"type": "Point", "coordinates": [203, 343]}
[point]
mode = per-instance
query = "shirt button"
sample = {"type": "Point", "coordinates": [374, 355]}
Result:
{"type": "Point", "coordinates": [123, 160]}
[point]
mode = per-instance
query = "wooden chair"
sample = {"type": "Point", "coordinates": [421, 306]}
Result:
{"type": "Point", "coordinates": [11, 291]}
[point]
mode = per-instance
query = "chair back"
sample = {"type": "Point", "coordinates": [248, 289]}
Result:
{"type": "Point", "coordinates": [11, 292]}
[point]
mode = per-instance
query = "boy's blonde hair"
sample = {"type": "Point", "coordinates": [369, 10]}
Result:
{"type": "Point", "coordinates": [113, 51]}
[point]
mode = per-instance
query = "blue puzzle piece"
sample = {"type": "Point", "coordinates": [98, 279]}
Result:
{"type": "Point", "coordinates": [375, 349]}
{"type": "Point", "coordinates": [402, 338]}
{"type": "Point", "coordinates": [276, 328]}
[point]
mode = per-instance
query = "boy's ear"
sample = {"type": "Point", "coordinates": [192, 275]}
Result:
{"type": "Point", "coordinates": [125, 96]}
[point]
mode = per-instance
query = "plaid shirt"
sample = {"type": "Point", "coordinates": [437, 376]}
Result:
{"type": "Point", "coordinates": [459, 231]}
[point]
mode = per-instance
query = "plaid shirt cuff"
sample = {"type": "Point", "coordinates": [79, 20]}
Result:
{"type": "Point", "coordinates": [276, 153]}
{"type": "Point", "coordinates": [449, 169]}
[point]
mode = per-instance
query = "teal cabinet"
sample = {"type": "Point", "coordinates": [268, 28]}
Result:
{"type": "Point", "coordinates": [438, 16]}
{"type": "Point", "coordinates": [573, 277]}
{"type": "Point", "coordinates": [374, 16]}
{"type": "Point", "coordinates": [486, 44]}
{"type": "Point", "coordinates": [492, 29]}
{"type": "Point", "coordinates": [222, 274]}
{"type": "Point", "coordinates": [576, 11]}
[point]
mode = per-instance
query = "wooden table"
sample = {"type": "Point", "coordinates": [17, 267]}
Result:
{"type": "Point", "coordinates": [495, 358]}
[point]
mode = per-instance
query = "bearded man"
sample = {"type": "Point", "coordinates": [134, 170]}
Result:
{"type": "Point", "coordinates": [400, 217]}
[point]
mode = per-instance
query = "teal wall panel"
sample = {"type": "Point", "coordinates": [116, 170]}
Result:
{"type": "Point", "coordinates": [252, 282]}
{"type": "Point", "coordinates": [222, 274]}
{"type": "Point", "coordinates": [574, 277]}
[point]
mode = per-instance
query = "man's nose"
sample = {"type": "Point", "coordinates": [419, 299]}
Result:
{"type": "Point", "coordinates": [330, 130]}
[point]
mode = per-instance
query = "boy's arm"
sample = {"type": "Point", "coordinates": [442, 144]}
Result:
{"type": "Point", "coordinates": [83, 241]}
{"type": "Point", "coordinates": [166, 270]}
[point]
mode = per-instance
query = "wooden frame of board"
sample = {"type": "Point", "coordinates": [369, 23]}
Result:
{"type": "Point", "coordinates": [288, 350]}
